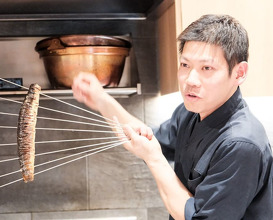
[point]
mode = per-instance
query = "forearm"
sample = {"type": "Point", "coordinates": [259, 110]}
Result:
{"type": "Point", "coordinates": [109, 107]}
{"type": "Point", "coordinates": [88, 90]}
{"type": "Point", "coordinates": [173, 193]}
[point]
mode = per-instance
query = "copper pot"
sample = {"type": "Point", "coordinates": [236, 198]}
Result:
{"type": "Point", "coordinates": [66, 56]}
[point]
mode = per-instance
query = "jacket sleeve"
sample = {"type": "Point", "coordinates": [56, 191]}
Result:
{"type": "Point", "coordinates": [166, 133]}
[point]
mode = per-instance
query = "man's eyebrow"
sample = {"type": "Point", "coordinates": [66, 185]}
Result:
{"type": "Point", "coordinates": [184, 58]}
{"type": "Point", "coordinates": [203, 60]}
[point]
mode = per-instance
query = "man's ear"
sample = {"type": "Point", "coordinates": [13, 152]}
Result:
{"type": "Point", "coordinates": [241, 72]}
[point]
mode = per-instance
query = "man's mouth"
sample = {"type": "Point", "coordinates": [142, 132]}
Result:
{"type": "Point", "coordinates": [192, 95]}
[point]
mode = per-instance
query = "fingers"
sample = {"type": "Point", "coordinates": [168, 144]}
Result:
{"type": "Point", "coordinates": [118, 128]}
{"type": "Point", "coordinates": [80, 91]}
{"type": "Point", "coordinates": [82, 79]}
{"type": "Point", "coordinates": [124, 132]}
{"type": "Point", "coordinates": [140, 142]}
{"type": "Point", "coordinates": [146, 132]}
{"type": "Point", "coordinates": [85, 85]}
{"type": "Point", "coordinates": [131, 133]}
{"type": "Point", "coordinates": [85, 77]}
{"type": "Point", "coordinates": [79, 86]}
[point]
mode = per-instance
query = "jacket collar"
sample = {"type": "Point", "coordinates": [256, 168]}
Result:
{"type": "Point", "coordinates": [224, 112]}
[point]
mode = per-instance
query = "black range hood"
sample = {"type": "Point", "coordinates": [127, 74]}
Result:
{"type": "Point", "coordinates": [76, 9]}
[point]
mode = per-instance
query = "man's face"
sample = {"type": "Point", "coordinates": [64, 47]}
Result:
{"type": "Point", "coordinates": [204, 79]}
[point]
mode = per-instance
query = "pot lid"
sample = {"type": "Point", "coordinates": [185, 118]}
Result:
{"type": "Point", "coordinates": [80, 40]}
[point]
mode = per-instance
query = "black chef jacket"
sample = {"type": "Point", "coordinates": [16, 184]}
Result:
{"type": "Point", "coordinates": [225, 161]}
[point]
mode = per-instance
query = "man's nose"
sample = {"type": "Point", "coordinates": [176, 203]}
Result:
{"type": "Point", "coordinates": [193, 78]}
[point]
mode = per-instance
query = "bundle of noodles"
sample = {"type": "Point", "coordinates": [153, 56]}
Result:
{"type": "Point", "coordinates": [26, 132]}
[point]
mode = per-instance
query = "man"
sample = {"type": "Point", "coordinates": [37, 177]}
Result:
{"type": "Point", "coordinates": [223, 160]}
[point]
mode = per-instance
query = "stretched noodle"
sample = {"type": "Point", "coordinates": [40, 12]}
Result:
{"type": "Point", "coordinates": [26, 132]}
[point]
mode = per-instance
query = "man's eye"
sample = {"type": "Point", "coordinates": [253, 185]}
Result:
{"type": "Point", "coordinates": [184, 65]}
{"type": "Point", "coordinates": [207, 68]}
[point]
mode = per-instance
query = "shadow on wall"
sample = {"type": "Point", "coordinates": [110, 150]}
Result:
{"type": "Point", "coordinates": [262, 108]}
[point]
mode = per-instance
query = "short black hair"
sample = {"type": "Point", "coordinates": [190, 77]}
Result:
{"type": "Point", "coordinates": [221, 30]}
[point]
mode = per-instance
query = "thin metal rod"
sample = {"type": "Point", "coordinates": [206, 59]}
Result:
{"type": "Point", "coordinates": [9, 183]}
{"type": "Point", "coordinates": [7, 113]}
{"type": "Point", "coordinates": [79, 130]}
{"type": "Point", "coordinates": [10, 159]}
{"type": "Point", "coordinates": [13, 83]}
{"type": "Point", "coordinates": [76, 154]}
{"type": "Point", "coordinates": [51, 161]}
{"type": "Point", "coordinates": [67, 162]}
{"type": "Point", "coordinates": [77, 107]}
{"type": "Point", "coordinates": [9, 127]}
{"type": "Point", "coordinates": [10, 144]}
{"type": "Point", "coordinates": [76, 122]}
{"type": "Point", "coordinates": [10, 100]}
{"type": "Point", "coordinates": [65, 157]}
{"type": "Point", "coordinates": [76, 148]}
{"type": "Point", "coordinates": [70, 114]}
{"type": "Point", "coordinates": [8, 174]}
{"type": "Point", "coordinates": [60, 119]}
{"type": "Point", "coordinates": [68, 129]}
{"type": "Point", "coordinates": [71, 140]}
{"type": "Point", "coordinates": [64, 140]}
{"type": "Point", "coordinates": [106, 148]}
{"type": "Point", "coordinates": [57, 151]}
{"type": "Point", "coordinates": [62, 112]}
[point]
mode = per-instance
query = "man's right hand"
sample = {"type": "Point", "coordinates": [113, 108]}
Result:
{"type": "Point", "coordinates": [88, 90]}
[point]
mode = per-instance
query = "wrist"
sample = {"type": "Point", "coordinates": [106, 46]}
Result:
{"type": "Point", "coordinates": [156, 161]}
{"type": "Point", "coordinates": [103, 101]}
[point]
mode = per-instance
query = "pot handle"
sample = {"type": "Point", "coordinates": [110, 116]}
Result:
{"type": "Point", "coordinates": [55, 44]}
